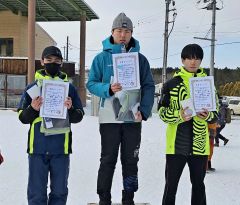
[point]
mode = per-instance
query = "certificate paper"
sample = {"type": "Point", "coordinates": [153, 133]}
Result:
{"type": "Point", "coordinates": [203, 93]}
{"type": "Point", "coordinates": [126, 70]}
{"type": "Point", "coordinates": [54, 94]}
{"type": "Point", "coordinates": [34, 91]}
{"type": "Point", "coordinates": [188, 103]}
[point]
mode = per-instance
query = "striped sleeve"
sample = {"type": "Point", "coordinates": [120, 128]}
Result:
{"type": "Point", "coordinates": [169, 108]}
{"type": "Point", "coordinates": [170, 116]}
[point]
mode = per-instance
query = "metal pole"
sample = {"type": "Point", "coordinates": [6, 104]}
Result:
{"type": "Point", "coordinates": [213, 37]}
{"type": "Point", "coordinates": [165, 42]}
{"type": "Point", "coordinates": [67, 48]}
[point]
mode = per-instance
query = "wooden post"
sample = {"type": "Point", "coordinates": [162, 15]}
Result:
{"type": "Point", "coordinates": [5, 90]}
{"type": "Point", "coordinates": [82, 88]}
{"type": "Point", "coordinates": [31, 39]}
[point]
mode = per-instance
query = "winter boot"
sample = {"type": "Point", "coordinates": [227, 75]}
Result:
{"type": "Point", "coordinates": [225, 141]}
{"type": "Point", "coordinates": [105, 198]}
{"type": "Point", "coordinates": [127, 198]}
{"type": "Point", "coordinates": [210, 168]}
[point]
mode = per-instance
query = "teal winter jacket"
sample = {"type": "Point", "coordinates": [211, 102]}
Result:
{"type": "Point", "coordinates": [101, 76]}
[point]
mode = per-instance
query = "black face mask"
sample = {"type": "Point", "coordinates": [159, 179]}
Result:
{"type": "Point", "coordinates": [52, 68]}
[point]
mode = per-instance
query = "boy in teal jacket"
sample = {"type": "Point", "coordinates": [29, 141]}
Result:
{"type": "Point", "coordinates": [118, 126]}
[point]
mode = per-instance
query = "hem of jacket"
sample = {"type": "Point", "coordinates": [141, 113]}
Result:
{"type": "Point", "coordinates": [44, 153]}
{"type": "Point", "coordinates": [192, 154]}
{"type": "Point", "coordinates": [116, 122]}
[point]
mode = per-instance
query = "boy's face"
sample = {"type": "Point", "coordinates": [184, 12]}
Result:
{"type": "Point", "coordinates": [51, 59]}
{"type": "Point", "coordinates": [191, 65]}
{"type": "Point", "coordinates": [121, 36]}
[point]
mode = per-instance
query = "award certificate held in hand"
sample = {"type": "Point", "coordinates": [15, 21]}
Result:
{"type": "Point", "coordinates": [54, 94]}
{"type": "Point", "coordinates": [126, 70]}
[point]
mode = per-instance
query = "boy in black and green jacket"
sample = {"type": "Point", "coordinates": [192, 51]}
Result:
{"type": "Point", "coordinates": [187, 136]}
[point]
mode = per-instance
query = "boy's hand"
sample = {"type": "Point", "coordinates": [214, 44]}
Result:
{"type": "Point", "coordinates": [37, 103]}
{"type": "Point", "coordinates": [1, 159]}
{"type": "Point", "coordinates": [203, 114]}
{"type": "Point", "coordinates": [115, 87]}
{"type": "Point", "coordinates": [138, 116]}
{"type": "Point", "coordinates": [68, 103]}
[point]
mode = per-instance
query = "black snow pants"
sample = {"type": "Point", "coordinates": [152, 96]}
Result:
{"type": "Point", "coordinates": [127, 136]}
{"type": "Point", "coordinates": [174, 167]}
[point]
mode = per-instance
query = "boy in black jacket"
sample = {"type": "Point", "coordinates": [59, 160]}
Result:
{"type": "Point", "coordinates": [187, 137]}
{"type": "Point", "coordinates": [49, 153]}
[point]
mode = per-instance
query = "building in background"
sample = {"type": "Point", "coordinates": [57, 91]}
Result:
{"type": "Point", "coordinates": [13, 56]}
{"type": "Point", "coordinates": [13, 36]}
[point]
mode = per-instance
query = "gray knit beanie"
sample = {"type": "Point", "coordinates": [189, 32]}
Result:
{"type": "Point", "coordinates": [122, 21]}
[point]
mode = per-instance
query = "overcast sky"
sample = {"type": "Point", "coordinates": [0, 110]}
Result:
{"type": "Point", "coordinates": [148, 19]}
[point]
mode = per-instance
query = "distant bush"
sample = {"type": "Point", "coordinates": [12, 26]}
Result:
{"type": "Point", "coordinates": [230, 89]}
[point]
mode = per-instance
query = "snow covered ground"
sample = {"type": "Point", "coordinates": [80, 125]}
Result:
{"type": "Point", "coordinates": [222, 187]}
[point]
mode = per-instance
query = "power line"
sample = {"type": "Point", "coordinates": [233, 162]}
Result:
{"type": "Point", "coordinates": [234, 42]}
{"type": "Point", "coordinates": [89, 50]}
{"type": "Point", "coordinates": [191, 32]}
{"type": "Point", "coordinates": [217, 44]}
{"type": "Point", "coordinates": [207, 24]}
{"type": "Point", "coordinates": [147, 20]}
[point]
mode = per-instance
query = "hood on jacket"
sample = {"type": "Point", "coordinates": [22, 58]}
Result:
{"type": "Point", "coordinates": [109, 46]}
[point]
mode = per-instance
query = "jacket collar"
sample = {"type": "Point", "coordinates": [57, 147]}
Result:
{"type": "Point", "coordinates": [109, 46]}
{"type": "Point", "coordinates": [185, 74]}
{"type": "Point", "coordinates": [41, 75]}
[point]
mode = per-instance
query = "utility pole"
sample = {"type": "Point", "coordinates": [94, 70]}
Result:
{"type": "Point", "coordinates": [67, 48]}
{"type": "Point", "coordinates": [166, 36]}
{"type": "Point", "coordinates": [213, 37]}
{"type": "Point", "coordinates": [165, 51]}
{"type": "Point", "coordinates": [211, 6]}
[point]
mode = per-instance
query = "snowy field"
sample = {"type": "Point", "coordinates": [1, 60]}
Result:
{"type": "Point", "coordinates": [222, 187]}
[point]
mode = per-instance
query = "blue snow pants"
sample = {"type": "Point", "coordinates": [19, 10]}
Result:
{"type": "Point", "coordinates": [40, 167]}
